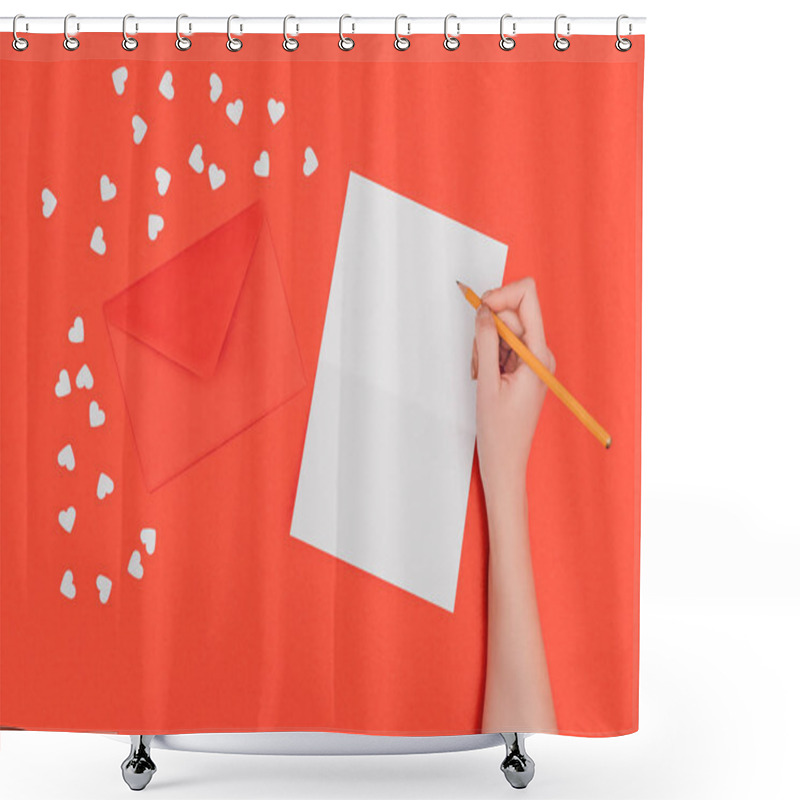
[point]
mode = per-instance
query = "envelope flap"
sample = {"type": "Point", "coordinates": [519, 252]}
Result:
{"type": "Point", "coordinates": [183, 307]}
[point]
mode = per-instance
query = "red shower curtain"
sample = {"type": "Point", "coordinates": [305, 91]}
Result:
{"type": "Point", "coordinates": [171, 227]}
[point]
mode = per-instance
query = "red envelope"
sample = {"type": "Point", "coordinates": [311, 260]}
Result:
{"type": "Point", "coordinates": [204, 346]}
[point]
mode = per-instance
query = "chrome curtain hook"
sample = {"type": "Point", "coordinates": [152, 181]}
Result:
{"type": "Point", "coordinates": [18, 43]}
{"type": "Point", "coordinates": [451, 42]}
{"type": "Point", "coordinates": [346, 42]}
{"type": "Point", "coordinates": [560, 43]}
{"type": "Point", "coordinates": [181, 41]}
{"type": "Point", "coordinates": [70, 42]}
{"type": "Point", "coordinates": [128, 42]}
{"type": "Point", "coordinates": [289, 42]}
{"type": "Point", "coordinates": [233, 44]}
{"type": "Point", "coordinates": [401, 42]}
{"type": "Point", "coordinates": [623, 45]}
{"type": "Point", "coordinates": [507, 42]}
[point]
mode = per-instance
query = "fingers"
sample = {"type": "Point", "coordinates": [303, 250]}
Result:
{"type": "Point", "coordinates": [521, 297]}
{"type": "Point", "coordinates": [487, 346]}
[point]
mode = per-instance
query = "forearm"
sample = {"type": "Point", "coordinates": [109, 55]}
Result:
{"type": "Point", "coordinates": [517, 695]}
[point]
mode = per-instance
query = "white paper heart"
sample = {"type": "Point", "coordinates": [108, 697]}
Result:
{"type": "Point", "coordinates": [49, 203]}
{"type": "Point", "coordinates": [155, 224]}
{"type": "Point", "coordinates": [139, 128]}
{"type": "Point", "coordinates": [216, 87]}
{"type": "Point", "coordinates": [311, 163]}
{"type": "Point", "coordinates": [75, 333]}
{"type": "Point", "coordinates": [66, 458]}
{"type": "Point", "coordinates": [135, 567]}
{"type": "Point", "coordinates": [165, 87]}
{"type": "Point", "coordinates": [196, 159]}
{"type": "Point", "coordinates": [68, 586]}
{"type": "Point", "coordinates": [261, 167]}
{"type": "Point", "coordinates": [234, 111]}
{"type": "Point", "coordinates": [66, 518]}
{"type": "Point", "coordinates": [97, 416]}
{"type": "Point", "coordinates": [84, 379]}
{"type": "Point", "coordinates": [119, 76]}
{"type": "Point", "coordinates": [104, 486]}
{"type": "Point", "coordinates": [148, 537]}
{"type": "Point", "coordinates": [62, 387]}
{"type": "Point", "coordinates": [216, 176]}
{"type": "Point", "coordinates": [276, 110]}
{"type": "Point", "coordinates": [103, 585]}
{"type": "Point", "coordinates": [162, 179]}
{"type": "Point", "coordinates": [108, 191]}
{"type": "Point", "coordinates": [98, 243]}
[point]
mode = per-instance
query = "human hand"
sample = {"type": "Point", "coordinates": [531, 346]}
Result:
{"type": "Point", "coordinates": [509, 394]}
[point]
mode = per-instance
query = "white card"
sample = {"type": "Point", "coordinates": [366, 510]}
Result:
{"type": "Point", "coordinates": [389, 446]}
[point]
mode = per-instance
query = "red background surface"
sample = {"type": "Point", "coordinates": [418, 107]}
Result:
{"type": "Point", "coordinates": [235, 626]}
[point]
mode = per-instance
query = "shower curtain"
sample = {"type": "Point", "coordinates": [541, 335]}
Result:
{"type": "Point", "coordinates": [264, 466]}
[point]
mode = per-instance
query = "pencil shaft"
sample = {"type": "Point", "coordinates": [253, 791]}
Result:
{"type": "Point", "coordinates": [558, 388]}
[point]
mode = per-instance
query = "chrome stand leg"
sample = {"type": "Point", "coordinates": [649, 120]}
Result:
{"type": "Point", "coordinates": [138, 768]}
{"type": "Point", "coordinates": [517, 766]}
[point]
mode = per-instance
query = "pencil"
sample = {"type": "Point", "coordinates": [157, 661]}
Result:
{"type": "Point", "coordinates": [559, 390]}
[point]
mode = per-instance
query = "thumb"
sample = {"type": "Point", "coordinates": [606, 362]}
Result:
{"type": "Point", "coordinates": [487, 343]}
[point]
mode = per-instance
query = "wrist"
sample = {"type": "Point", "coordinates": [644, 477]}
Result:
{"type": "Point", "coordinates": [507, 506]}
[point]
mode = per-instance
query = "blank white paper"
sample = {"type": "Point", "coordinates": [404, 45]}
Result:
{"type": "Point", "coordinates": [388, 452]}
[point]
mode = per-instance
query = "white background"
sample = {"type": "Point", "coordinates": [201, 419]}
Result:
{"type": "Point", "coordinates": [720, 443]}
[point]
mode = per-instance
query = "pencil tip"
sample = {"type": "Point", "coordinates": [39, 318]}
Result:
{"type": "Point", "coordinates": [608, 443]}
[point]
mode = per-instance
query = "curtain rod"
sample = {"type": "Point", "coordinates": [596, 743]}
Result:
{"type": "Point", "coordinates": [407, 25]}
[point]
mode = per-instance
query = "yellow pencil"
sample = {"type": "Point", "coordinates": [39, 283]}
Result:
{"type": "Point", "coordinates": [559, 390]}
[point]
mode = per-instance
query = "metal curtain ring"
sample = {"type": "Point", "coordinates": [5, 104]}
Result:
{"type": "Point", "coordinates": [18, 43]}
{"type": "Point", "coordinates": [128, 42]}
{"type": "Point", "coordinates": [623, 45]}
{"type": "Point", "coordinates": [70, 42]}
{"type": "Point", "coordinates": [289, 42]}
{"type": "Point", "coordinates": [400, 42]}
{"type": "Point", "coordinates": [233, 44]}
{"type": "Point", "coordinates": [181, 41]}
{"type": "Point", "coordinates": [346, 42]}
{"type": "Point", "coordinates": [560, 43]}
{"type": "Point", "coordinates": [507, 42]}
{"type": "Point", "coordinates": [451, 42]}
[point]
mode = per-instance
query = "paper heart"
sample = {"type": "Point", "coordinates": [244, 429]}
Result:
{"type": "Point", "coordinates": [62, 387]}
{"type": "Point", "coordinates": [196, 159]}
{"type": "Point", "coordinates": [104, 486]}
{"type": "Point", "coordinates": [261, 167]}
{"type": "Point", "coordinates": [162, 179]}
{"type": "Point", "coordinates": [68, 586]}
{"type": "Point", "coordinates": [48, 203]}
{"type": "Point", "coordinates": [103, 585]}
{"type": "Point", "coordinates": [66, 458]}
{"type": "Point", "coordinates": [148, 537]}
{"type": "Point", "coordinates": [98, 244]}
{"type": "Point", "coordinates": [155, 224]}
{"type": "Point", "coordinates": [311, 163]}
{"type": "Point", "coordinates": [234, 111]}
{"type": "Point", "coordinates": [216, 87]}
{"type": "Point", "coordinates": [119, 76]}
{"type": "Point", "coordinates": [216, 176]}
{"type": "Point", "coordinates": [108, 191]}
{"type": "Point", "coordinates": [97, 416]}
{"type": "Point", "coordinates": [139, 128]}
{"type": "Point", "coordinates": [135, 567]}
{"type": "Point", "coordinates": [276, 110]}
{"type": "Point", "coordinates": [66, 519]}
{"type": "Point", "coordinates": [84, 379]}
{"type": "Point", "coordinates": [75, 333]}
{"type": "Point", "coordinates": [165, 87]}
